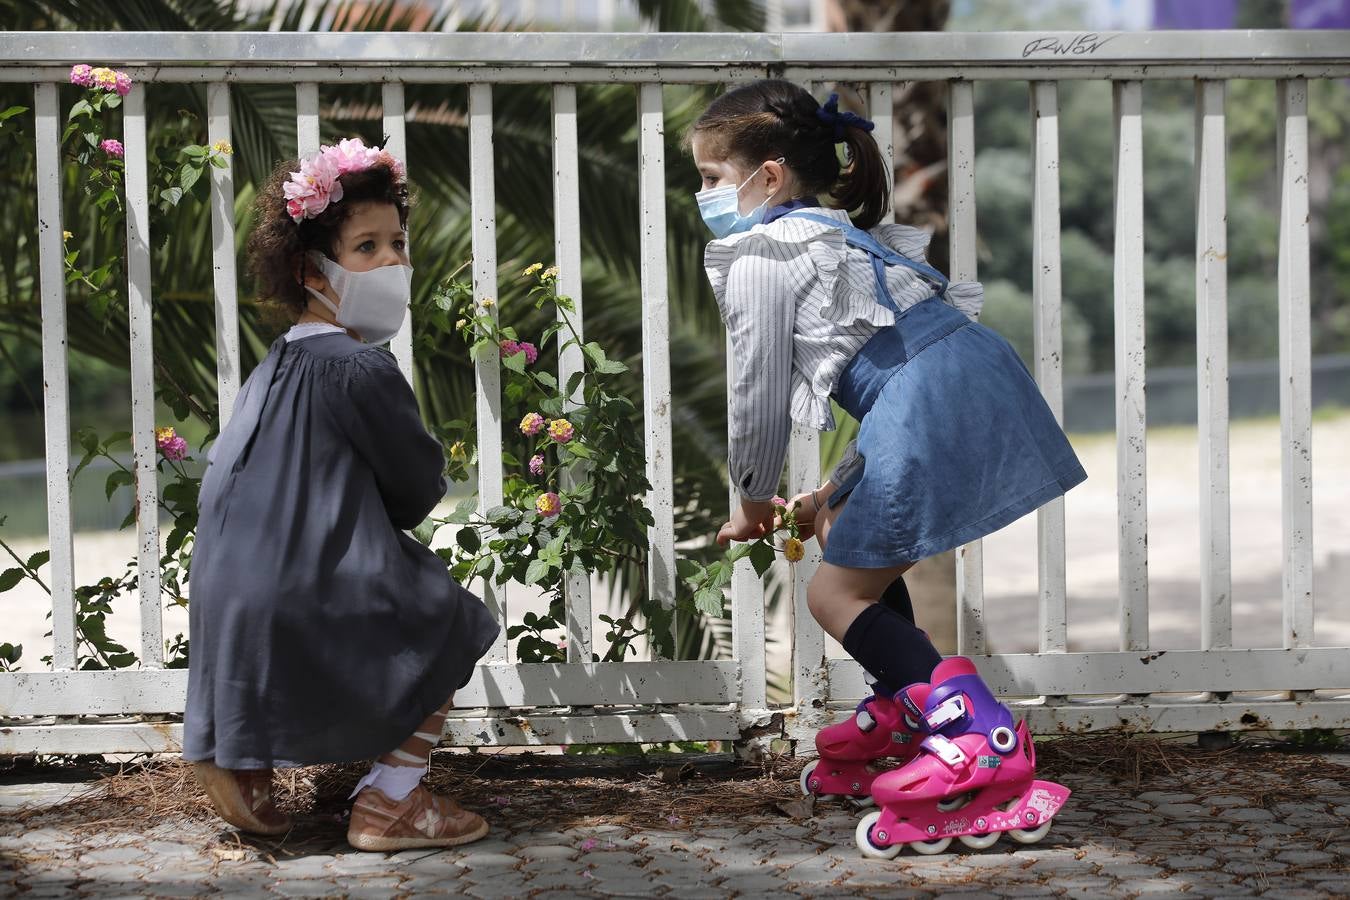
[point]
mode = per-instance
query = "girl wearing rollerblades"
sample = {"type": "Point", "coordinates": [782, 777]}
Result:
{"type": "Point", "coordinates": [823, 303]}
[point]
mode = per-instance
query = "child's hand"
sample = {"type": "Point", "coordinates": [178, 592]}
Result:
{"type": "Point", "coordinates": [753, 519]}
{"type": "Point", "coordinates": [805, 506]}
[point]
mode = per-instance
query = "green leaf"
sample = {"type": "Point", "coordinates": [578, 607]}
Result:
{"type": "Point", "coordinates": [116, 479]}
{"type": "Point", "coordinates": [579, 450]}
{"type": "Point", "coordinates": [11, 113]}
{"type": "Point", "coordinates": [502, 515]}
{"type": "Point", "coordinates": [761, 557]}
{"type": "Point", "coordinates": [81, 108]}
{"type": "Point", "coordinates": [172, 195]}
{"type": "Point", "coordinates": [710, 601]}
{"type": "Point", "coordinates": [39, 559]}
{"type": "Point", "coordinates": [515, 362]}
{"type": "Point", "coordinates": [537, 572]}
{"type": "Point", "coordinates": [196, 151]}
{"type": "Point", "coordinates": [574, 381]}
{"type": "Point", "coordinates": [546, 379]}
{"type": "Point", "coordinates": [687, 568]}
{"type": "Point", "coordinates": [117, 437]}
{"type": "Point", "coordinates": [426, 531]}
{"type": "Point", "coordinates": [610, 367]}
{"type": "Point", "coordinates": [187, 176]}
{"type": "Point", "coordinates": [469, 539]}
{"type": "Point", "coordinates": [88, 439]}
{"type": "Point", "coordinates": [10, 577]}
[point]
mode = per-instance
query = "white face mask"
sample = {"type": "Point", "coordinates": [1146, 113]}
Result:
{"type": "Point", "coordinates": [372, 303]}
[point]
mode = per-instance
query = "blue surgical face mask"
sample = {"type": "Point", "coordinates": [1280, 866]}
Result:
{"type": "Point", "coordinates": [720, 208]}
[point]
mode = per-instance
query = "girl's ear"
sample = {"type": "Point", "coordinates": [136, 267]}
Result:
{"type": "Point", "coordinates": [308, 274]}
{"type": "Point", "coordinates": [775, 176]}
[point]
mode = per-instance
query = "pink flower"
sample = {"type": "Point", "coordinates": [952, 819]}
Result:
{"type": "Point", "coordinates": [510, 347]}
{"type": "Point", "coordinates": [122, 84]}
{"type": "Point", "coordinates": [532, 424]}
{"type": "Point", "coordinates": [170, 444]}
{"type": "Point", "coordinates": [105, 78]}
{"type": "Point", "coordinates": [530, 350]}
{"type": "Point", "coordinates": [82, 74]}
{"type": "Point", "coordinates": [561, 430]}
{"type": "Point", "coordinates": [548, 505]}
{"type": "Point", "coordinates": [309, 191]}
{"type": "Point", "coordinates": [537, 464]}
{"type": "Point", "coordinates": [588, 844]}
{"type": "Point", "coordinates": [352, 155]}
{"type": "Point", "coordinates": [312, 188]}
{"type": "Point", "coordinates": [779, 501]}
{"type": "Point", "coordinates": [113, 148]}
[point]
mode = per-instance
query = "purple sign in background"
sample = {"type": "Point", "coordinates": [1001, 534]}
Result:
{"type": "Point", "coordinates": [1191, 14]}
{"type": "Point", "coordinates": [1188, 14]}
{"type": "Point", "coordinates": [1319, 14]}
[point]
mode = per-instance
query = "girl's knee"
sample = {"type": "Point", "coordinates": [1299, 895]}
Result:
{"type": "Point", "coordinates": [817, 600]}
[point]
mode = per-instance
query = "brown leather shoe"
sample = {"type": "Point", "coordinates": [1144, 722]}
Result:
{"type": "Point", "coordinates": [242, 797]}
{"type": "Point", "coordinates": [421, 819]}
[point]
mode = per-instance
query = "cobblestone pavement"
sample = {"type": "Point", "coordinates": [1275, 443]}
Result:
{"type": "Point", "coordinates": [1244, 829]}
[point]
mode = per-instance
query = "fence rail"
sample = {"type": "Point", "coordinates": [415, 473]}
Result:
{"type": "Point", "coordinates": [1294, 686]}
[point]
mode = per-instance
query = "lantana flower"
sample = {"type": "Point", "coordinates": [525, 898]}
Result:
{"type": "Point", "coordinates": [561, 430]}
{"type": "Point", "coordinates": [537, 464]}
{"type": "Point", "coordinates": [170, 444]}
{"type": "Point", "coordinates": [113, 148]}
{"type": "Point", "coordinates": [793, 550]}
{"type": "Point", "coordinates": [82, 74]}
{"type": "Point", "coordinates": [532, 424]}
{"type": "Point", "coordinates": [530, 350]}
{"type": "Point", "coordinates": [548, 505]}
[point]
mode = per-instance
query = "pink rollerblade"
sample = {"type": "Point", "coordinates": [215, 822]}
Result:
{"type": "Point", "coordinates": [973, 780]}
{"type": "Point", "coordinates": [880, 728]}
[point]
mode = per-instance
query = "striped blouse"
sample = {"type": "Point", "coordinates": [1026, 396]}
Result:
{"type": "Point", "coordinates": [798, 304]}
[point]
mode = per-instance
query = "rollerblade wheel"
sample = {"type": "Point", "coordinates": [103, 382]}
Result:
{"type": "Point", "coordinates": [862, 835]}
{"type": "Point", "coordinates": [1030, 835]}
{"type": "Point", "coordinates": [979, 841]}
{"type": "Point", "coordinates": [805, 781]}
{"type": "Point", "coordinates": [930, 848]}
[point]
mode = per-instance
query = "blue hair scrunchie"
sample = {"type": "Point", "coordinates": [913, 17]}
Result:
{"type": "Point", "coordinates": [830, 115]}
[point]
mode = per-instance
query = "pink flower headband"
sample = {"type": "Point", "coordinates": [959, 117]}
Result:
{"type": "Point", "coordinates": [309, 191]}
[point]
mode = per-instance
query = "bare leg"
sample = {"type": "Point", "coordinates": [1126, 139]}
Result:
{"type": "Point", "coordinates": [844, 601]}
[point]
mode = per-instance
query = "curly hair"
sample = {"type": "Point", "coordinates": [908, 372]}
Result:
{"type": "Point", "coordinates": [277, 239]}
{"type": "Point", "coordinates": [772, 118]}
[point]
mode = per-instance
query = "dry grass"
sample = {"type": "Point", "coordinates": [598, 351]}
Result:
{"type": "Point", "coordinates": [673, 793]}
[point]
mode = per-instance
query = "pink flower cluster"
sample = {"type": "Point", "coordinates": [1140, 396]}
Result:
{"type": "Point", "coordinates": [102, 78]}
{"type": "Point", "coordinates": [309, 191]}
{"type": "Point", "coordinates": [170, 444]}
{"type": "Point", "coordinates": [537, 464]}
{"type": "Point", "coordinates": [511, 348]}
{"type": "Point", "coordinates": [532, 424]}
{"type": "Point", "coordinates": [113, 148]}
{"type": "Point", "coordinates": [561, 430]}
{"type": "Point", "coordinates": [548, 505]}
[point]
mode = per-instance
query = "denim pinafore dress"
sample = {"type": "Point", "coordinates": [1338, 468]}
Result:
{"type": "Point", "coordinates": [956, 439]}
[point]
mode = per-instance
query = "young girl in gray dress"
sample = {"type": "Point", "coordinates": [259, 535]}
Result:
{"type": "Point", "coordinates": [321, 632]}
{"type": "Point", "coordinates": [955, 439]}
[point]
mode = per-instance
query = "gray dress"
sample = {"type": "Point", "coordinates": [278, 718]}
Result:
{"type": "Point", "coordinates": [320, 631]}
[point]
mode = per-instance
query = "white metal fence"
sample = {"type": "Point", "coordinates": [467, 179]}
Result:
{"type": "Point", "coordinates": [1291, 687]}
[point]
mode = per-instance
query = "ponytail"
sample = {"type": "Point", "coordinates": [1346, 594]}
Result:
{"type": "Point", "coordinates": [864, 187]}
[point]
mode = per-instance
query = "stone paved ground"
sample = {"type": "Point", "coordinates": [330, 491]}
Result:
{"type": "Point", "coordinates": [1251, 823]}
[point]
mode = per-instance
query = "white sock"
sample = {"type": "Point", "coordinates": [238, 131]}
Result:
{"type": "Point", "coordinates": [395, 782]}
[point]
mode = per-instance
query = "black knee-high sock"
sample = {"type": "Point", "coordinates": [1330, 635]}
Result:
{"type": "Point", "coordinates": [896, 597]}
{"type": "Point", "coordinates": [893, 650]}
